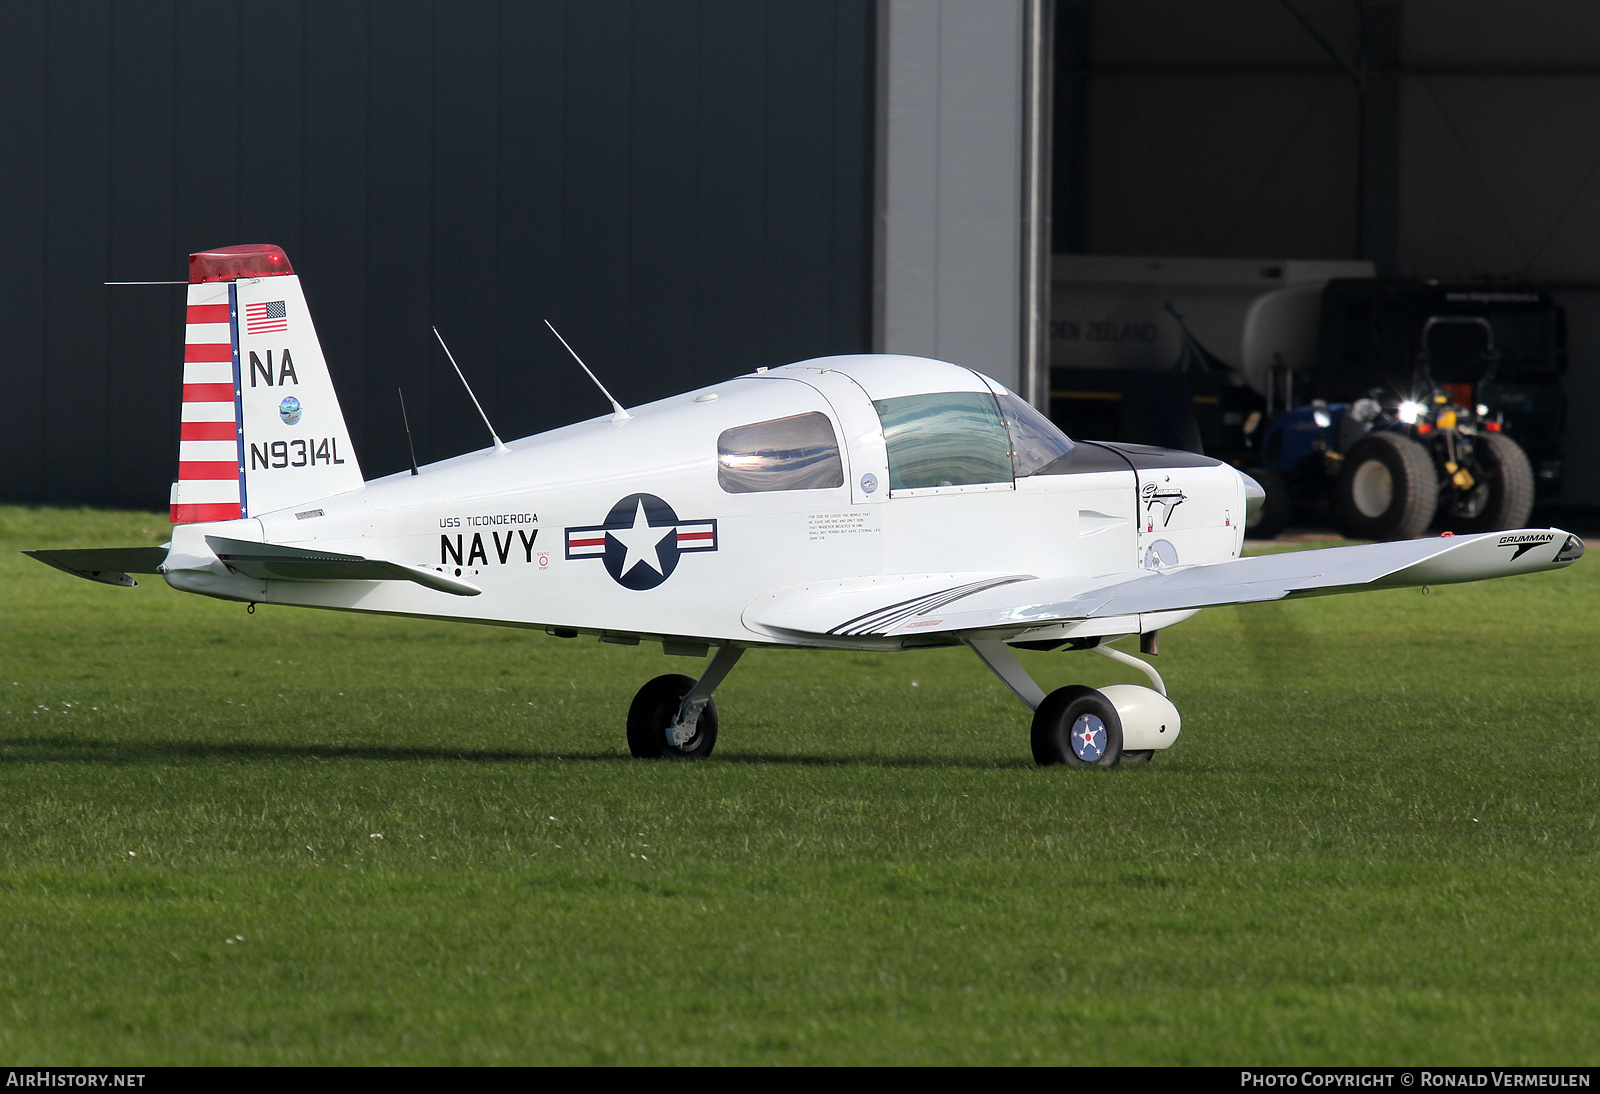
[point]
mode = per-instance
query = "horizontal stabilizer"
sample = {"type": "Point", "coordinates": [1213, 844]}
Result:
{"type": "Point", "coordinates": [272, 562]}
{"type": "Point", "coordinates": [108, 565]}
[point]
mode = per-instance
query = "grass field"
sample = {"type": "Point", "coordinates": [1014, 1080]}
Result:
{"type": "Point", "coordinates": [301, 837]}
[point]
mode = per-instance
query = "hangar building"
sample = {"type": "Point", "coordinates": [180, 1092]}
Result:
{"type": "Point", "coordinates": [690, 190]}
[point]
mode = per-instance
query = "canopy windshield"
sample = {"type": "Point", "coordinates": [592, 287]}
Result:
{"type": "Point", "coordinates": [953, 438]}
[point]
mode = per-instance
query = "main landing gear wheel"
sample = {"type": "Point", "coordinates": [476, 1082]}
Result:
{"type": "Point", "coordinates": [1389, 489]}
{"type": "Point", "coordinates": [1077, 726]}
{"type": "Point", "coordinates": [652, 731]}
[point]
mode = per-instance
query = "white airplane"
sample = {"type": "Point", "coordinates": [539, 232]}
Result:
{"type": "Point", "coordinates": [864, 502]}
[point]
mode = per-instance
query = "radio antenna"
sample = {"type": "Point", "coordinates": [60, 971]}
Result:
{"type": "Point", "coordinates": [404, 418]}
{"type": "Point", "coordinates": [499, 446]}
{"type": "Point", "coordinates": [620, 415]}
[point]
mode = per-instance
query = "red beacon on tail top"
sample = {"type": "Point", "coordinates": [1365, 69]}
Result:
{"type": "Point", "coordinates": [232, 263]}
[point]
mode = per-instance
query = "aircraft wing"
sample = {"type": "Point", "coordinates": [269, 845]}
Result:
{"type": "Point", "coordinates": [273, 562]}
{"type": "Point", "coordinates": [891, 604]}
{"type": "Point", "coordinates": [931, 603]}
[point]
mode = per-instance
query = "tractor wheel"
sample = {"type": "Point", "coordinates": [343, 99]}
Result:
{"type": "Point", "coordinates": [1276, 508]}
{"type": "Point", "coordinates": [1388, 489]}
{"type": "Point", "coordinates": [1505, 496]}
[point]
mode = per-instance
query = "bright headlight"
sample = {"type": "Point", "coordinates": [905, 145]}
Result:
{"type": "Point", "coordinates": [1321, 418]}
{"type": "Point", "coordinates": [1409, 412]}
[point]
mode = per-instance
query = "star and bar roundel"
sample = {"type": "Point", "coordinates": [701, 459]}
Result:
{"type": "Point", "coordinates": [641, 540]}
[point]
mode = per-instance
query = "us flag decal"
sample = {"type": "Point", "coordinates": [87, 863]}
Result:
{"type": "Point", "coordinates": [268, 317]}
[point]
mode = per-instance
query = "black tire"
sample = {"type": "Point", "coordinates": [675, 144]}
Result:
{"type": "Point", "coordinates": [1057, 718]}
{"type": "Point", "coordinates": [1277, 508]}
{"type": "Point", "coordinates": [654, 709]}
{"type": "Point", "coordinates": [1505, 496]}
{"type": "Point", "coordinates": [1389, 488]}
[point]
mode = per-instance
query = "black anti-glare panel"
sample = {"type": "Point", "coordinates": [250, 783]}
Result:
{"type": "Point", "coordinates": [684, 189]}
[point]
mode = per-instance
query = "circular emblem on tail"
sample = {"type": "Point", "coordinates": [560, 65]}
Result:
{"type": "Point", "coordinates": [289, 410]}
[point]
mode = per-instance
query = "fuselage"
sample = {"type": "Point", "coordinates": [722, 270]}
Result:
{"type": "Point", "coordinates": [670, 523]}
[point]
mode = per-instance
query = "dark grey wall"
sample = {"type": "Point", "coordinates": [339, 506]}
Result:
{"type": "Point", "coordinates": [684, 188]}
{"type": "Point", "coordinates": [1221, 129]}
{"type": "Point", "coordinates": [1233, 128]}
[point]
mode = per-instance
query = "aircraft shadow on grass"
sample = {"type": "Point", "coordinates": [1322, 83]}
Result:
{"type": "Point", "coordinates": [61, 749]}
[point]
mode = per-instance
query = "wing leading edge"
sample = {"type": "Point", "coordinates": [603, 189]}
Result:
{"type": "Point", "coordinates": [980, 602]}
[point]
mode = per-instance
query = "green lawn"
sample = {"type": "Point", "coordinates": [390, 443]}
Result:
{"type": "Point", "coordinates": [301, 837]}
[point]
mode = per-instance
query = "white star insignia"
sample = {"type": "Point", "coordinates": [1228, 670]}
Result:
{"type": "Point", "coordinates": [640, 541]}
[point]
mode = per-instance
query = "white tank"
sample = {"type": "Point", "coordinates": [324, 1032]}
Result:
{"type": "Point", "coordinates": [1187, 314]}
{"type": "Point", "coordinates": [1280, 327]}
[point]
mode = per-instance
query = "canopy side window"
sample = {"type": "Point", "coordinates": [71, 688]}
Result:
{"type": "Point", "coordinates": [795, 453]}
{"type": "Point", "coordinates": [953, 438]}
{"type": "Point", "coordinates": [1035, 441]}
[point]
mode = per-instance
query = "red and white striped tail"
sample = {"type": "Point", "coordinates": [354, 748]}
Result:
{"type": "Point", "coordinates": [262, 429]}
{"type": "Point", "coordinates": [210, 444]}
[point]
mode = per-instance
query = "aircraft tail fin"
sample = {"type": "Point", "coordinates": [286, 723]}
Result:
{"type": "Point", "coordinates": [261, 424]}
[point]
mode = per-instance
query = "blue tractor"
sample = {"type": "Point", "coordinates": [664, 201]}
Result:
{"type": "Point", "coordinates": [1414, 395]}
{"type": "Point", "coordinates": [1392, 408]}
{"type": "Point", "coordinates": [1389, 472]}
